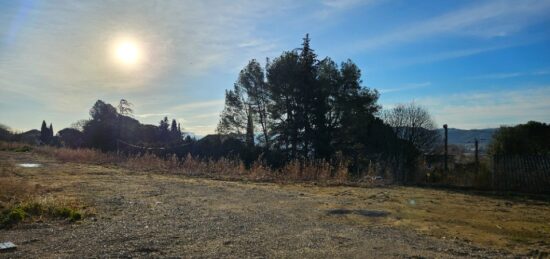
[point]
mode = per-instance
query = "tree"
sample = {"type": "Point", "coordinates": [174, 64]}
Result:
{"type": "Point", "coordinates": [252, 80]}
{"type": "Point", "coordinates": [45, 134]}
{"type": "Point", "coordinates": [164, 132]}
{"type": "Point", "coordinates": [246, 103]}
{"type": "Point", "coordinates": [103, 111]}
{"type": "Point", "coordinates": [175, 131]}
{"type": "Point", "coordinates": [5, 133]}
{"type": "Point", "coordinates": [283, 78]}
{"type": "Point", "coordinates": [234, 116]}
{"type": "Point", "coordinates": [102, 130]}
{"type": "Point", "coordinates": [70, 137]}
{"type": "Point", "coordinates": [311, 103]}
{"type": "Point", "coordinates": [124, 107]}
{"type": "Point", "coordinates": [50, 131]}
{"type": "Point", "coordinates": [532, 138]}
{"type": "Point", "coordinates": [413, 123]}
{"type": "Point", "coordinates": [174, 126]}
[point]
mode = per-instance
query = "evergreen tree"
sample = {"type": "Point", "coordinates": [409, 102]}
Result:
{"type": "Point", "coordinates": [174, 126]}
{"type": "Point", "coordinates": [44, 133]}
{"type": "Point", "coordinates": [282, 75]}
{"type": "Point", "coordinates": [307, 94]}
{"type": "Point", "coordinates": [50, 131]}
{"type": "Point", "coordinates": [164, 132]}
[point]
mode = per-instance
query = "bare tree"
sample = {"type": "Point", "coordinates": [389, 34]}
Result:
{"type": "Point", "coordinates": [413, 123]}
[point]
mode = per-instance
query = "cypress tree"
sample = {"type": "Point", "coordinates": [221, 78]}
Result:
{"type": "Point", "coordinates": [50, 131]}
{"type": "Point", "coordinates": [44, 132]}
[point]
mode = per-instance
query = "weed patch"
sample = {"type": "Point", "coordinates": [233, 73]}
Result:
{"type": "Point", "coordinates": [46, 207]}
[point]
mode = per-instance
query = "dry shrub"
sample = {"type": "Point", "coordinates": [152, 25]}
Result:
{"type": "Point", "coordinates": [191, 165]}
{"type": "Point", "coordinates": [341, 173]}
{"type": "Point", "coordinates": [80, 155]}
{"type": "Point", "coordinates": [315, 170]}
{"type": "Point", "coordinates": [259, 170]}
{"type": "Point", "coordinates": [145, 162]}
{"type": "Point", "coordinates": [223, 168]}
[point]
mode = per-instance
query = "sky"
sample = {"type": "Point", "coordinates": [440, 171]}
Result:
{"type": "Point", "coordinates": [472, 64]}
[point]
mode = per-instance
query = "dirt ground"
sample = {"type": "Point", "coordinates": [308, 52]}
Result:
{"type": "Point", "coordinates": [140, 214]}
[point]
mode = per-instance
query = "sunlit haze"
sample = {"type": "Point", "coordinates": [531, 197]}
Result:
{"type": "Point", "coordinates": [127, 52]}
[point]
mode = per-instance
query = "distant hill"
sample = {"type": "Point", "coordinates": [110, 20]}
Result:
{"type": "Point", "coordinates": [466, 138]}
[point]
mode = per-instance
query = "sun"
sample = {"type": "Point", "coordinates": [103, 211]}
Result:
{"type": "Point", "coordinates": [127, 52]}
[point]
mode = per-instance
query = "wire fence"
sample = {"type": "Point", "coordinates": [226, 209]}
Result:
{"type": "Point", "coordinates": [521, 173]}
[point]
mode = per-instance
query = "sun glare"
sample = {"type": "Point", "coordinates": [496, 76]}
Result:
{"type": "Point", "coordinates": [127, 52]}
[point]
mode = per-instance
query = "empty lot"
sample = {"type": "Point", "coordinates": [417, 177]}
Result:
{"type": "Point", "coordinates": [134, 213]}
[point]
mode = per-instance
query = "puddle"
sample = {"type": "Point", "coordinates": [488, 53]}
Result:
{"type": "Point", "coordinates": [29, 165]}
{"type": "Point", "coordinates": [366, 213]}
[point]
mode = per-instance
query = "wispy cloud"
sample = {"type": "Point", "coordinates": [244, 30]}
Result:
{"type": "Point", "coordinates": [63, 66]}
{"type": "Point", "coordinates": [148, 115]}
{"type": "Point", "coordinates": [511, 75]}
{"type": "Point", "coordinates": [483, 19]}
{"type": "Point", "coordinates": [405, 87]}
{"type": "Point", "coordinates": [330, 8]}
{"type": "Point", "coordinates": [216, 104]}
{"type": "Point", "coordinates": [453, 54]}
{"type": "Point", "coordinates": [347, 4]}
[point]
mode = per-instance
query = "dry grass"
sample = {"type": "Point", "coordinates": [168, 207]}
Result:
{"type": "Point", "coordinates": [81, 155]}
{"type": "Point", "coordinates": [223, 168]}
{"type": "Point", "coordinates": [21, 199]}
{"type": "Point", "coordinates": [514, 223]}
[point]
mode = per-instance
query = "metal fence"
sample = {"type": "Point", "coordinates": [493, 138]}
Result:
{"type": "Point", "coordinates": [521, 173]}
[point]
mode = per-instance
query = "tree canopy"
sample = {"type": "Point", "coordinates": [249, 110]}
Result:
{"type": "Point", "coordinates": [532, 138]}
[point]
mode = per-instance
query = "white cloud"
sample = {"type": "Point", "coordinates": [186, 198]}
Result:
{"type": "Point", "coordinates": [482, 109]}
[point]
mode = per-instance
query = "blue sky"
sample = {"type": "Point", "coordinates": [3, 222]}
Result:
{"type": "Point", "coordinates": [473, 64]}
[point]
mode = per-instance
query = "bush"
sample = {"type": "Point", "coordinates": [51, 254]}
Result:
{"type": "Point", "coordinates": [11, 216]}
{"type": "Point", "coordinates": [23, 149]}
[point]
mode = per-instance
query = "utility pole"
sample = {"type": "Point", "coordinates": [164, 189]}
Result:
{"type": "Point", "coordinates": [446, 154]}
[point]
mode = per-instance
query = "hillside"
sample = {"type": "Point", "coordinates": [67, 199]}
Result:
{"type": "Point", "coordinates": [463, 137]}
